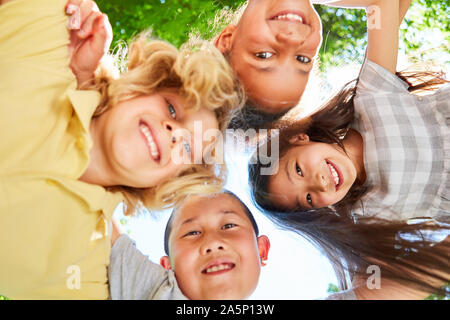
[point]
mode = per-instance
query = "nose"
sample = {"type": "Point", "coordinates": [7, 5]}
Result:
{"type": "Point", "coordinates": [171, 128]}
{"type": "Point", "coordinates": [212, 245]}
{"type": "Point", "coordinates": [320, 182]}
{"type": "Point", "coordinates": [289, 36]}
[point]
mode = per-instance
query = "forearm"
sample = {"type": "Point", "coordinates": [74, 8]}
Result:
{"type": "Point", "coordinates": [347, 3]}
{"type": "Point", "coordinates": [383, 25]}
{"type": "Point", "coordinates": [403, 9]}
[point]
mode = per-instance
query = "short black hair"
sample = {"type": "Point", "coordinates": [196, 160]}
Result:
{"type": "Point", "coordinates": [252, 117]}
{"type": "Point", "coordinates": [247, 211]}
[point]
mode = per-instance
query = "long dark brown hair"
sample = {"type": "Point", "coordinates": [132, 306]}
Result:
{"type": "Point", "coordinates": [402, 250]}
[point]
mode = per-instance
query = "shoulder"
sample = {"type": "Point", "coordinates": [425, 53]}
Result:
{"type": "Point", "coordinates": [376, 80]}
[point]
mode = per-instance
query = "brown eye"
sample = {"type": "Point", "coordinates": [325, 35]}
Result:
{"type": "Point", "coordinates": [229, 226]}
{"type": "Point", "coordinates": [309, 199]}
{"type": "Point", "coordinates": [303, 59]}
{"type": "Point", "coordinates": [192, 233]}
{"type": "Point", "coordinates": [264, 55]}
{"type": "Point", "coordinates": [299, 171]}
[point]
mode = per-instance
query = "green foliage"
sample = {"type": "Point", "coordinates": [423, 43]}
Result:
{"type": "Point", "coordinates": [171, 20]}
{"type": "Point", "coordinates": [344, 30]}
{"type": "Point", "coordinates": [446, 296]}
{"type": "Point", "coordinates": [124, 221]}
{"type": "Point", "coordinates": [418, 31]}
{"type": "Point", "coordinates": [435, 297]}
{"type": "Point", "coordinates": [3, 297]}
{"type": "Point", "coordinates": [344, 35]}
{"type": "Point", "coordinates": [332, 288]}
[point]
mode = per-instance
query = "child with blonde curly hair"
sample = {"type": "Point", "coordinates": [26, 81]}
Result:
{"type": "Point", "coordinates": [69, 157]}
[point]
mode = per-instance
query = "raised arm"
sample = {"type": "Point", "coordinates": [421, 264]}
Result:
{"type": "Point", "coordinates": [382, 27]}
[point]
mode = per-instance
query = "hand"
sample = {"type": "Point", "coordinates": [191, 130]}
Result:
{"type": "Point", "coordinates": [90, 38]}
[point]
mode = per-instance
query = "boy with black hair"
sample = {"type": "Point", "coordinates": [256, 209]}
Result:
{"type": "Point", "coordinates": [213, 252]}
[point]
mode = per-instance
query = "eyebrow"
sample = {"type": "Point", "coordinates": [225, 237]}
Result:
{"type": "Point", "coordinates": [221, 211]}
{"type": "Point", "coordinates": [269, 69]}
{"type": "Point", "coordinates": [290, 179]}
{"type": "Point", "coordinates": [263, 69]}
{"type": "Point", "coordinates": [288, 173]}
{"type": "Point", "coordinates": [188, 221]}
{"type": "Point", "coordinates": [301, 71]}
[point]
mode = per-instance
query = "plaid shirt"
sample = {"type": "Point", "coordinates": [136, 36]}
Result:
{"type": "Point", "coordinates": [406, 148]}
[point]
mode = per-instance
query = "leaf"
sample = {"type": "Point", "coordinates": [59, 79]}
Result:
{"type": "Point", "coordinates": [332, 288]}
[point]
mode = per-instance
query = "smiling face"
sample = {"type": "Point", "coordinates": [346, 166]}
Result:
{"type": "Point", "coordinates": [272, 50]}
{"type": "Point", "coordinates": [312, 175]}
{"type": "Point", "coordinates": [142, 138]}
{"type": "Point", "coordinates": [213, 249]}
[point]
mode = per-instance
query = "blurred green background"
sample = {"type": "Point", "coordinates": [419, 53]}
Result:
{"type": "Point", "coordinates": [344, 30]}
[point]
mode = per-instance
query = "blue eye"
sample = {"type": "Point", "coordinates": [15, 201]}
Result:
{"type": "Point", "coordinates": [172, 110]}
{"type": "Point", "coordinates": [264, 55]}
{"type": "Point", "coordinates": [187, 147]}
{"type": "Point", "coordinates": [299, 171]}
{"type": "Point", "coordinates": [303, 59]}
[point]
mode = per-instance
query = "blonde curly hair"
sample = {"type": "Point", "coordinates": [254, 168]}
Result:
{"type": "Point", "coordinates": [202, 77]}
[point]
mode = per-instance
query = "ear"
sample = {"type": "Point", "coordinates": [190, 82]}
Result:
{"type": "Point", "coordinates": [224, 40]}
{"type": "Point", "coordinates": [299, 139]}
{"type": "Point", "coordinates": [165, 262]}
{"type": "Point", "coordinates": [263, 248]}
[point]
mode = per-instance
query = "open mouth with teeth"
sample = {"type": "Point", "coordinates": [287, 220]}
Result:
{"type": "Point", "coordinates": [336, 174]}
{"type": "Point", "coordinates": [150, 140]}
{"type": "Point", "coordinates": [218, 268]}
{"type": "Point", "coordinates": [289, 16]}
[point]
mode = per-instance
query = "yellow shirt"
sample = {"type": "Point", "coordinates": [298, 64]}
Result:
{"type": "Point", "coordinates": [54, 241]}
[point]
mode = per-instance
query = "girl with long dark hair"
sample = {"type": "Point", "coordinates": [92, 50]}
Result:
{"type": "Point", "coordinates": [365, 178]}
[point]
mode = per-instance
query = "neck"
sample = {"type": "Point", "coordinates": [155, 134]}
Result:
{"type": "Point", "coordinates": [354, 145]}
{"type": "Point", "coordinates": [96, 172]}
